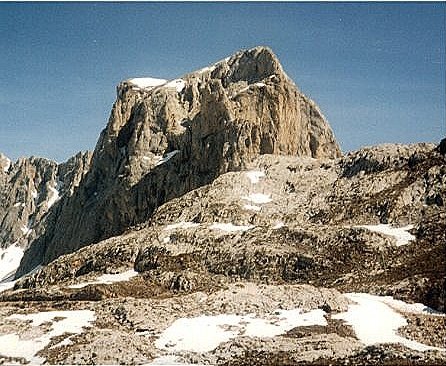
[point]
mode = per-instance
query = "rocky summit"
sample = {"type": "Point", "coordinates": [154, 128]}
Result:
{"type": "Point", "coordinates": [217, 222]}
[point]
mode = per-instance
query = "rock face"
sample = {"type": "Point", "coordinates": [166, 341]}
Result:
{"type": "Point", "coordinates": [163, 141]}
{"type": "Point", "coordinates": [29, 190]}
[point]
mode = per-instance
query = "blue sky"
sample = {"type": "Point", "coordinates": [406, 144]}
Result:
{"type": "Point", "coordinates": [377, 70]}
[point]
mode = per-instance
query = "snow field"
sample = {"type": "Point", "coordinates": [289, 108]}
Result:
{"type": "Point", "coordinates": [401, 234]}
{"type": "Point", "coordinates": [375, 321]}
{"type": "Point", "coordinates": [13, 345]}
{"type": "Point", "coordinates": [229, 227]}
{"type": "Point", "coordinates": [6, 285]}
{"type": "Point", "coordinates": [255, 175]}
{"type": "Point", "coordinates": [258, 198]}
{"type": "Point", "coordinates": [178, 84]}
{"type": "Point", "coordinates": [205, 333]}
{"type": "Point", "coordinates": [10, 260]}
{"type": "Point", "coordinates": [108, 279]}
{"type": "Point", "coordinates": [147, 82]}
{"type": "Point", "coordinates": [150, 83]}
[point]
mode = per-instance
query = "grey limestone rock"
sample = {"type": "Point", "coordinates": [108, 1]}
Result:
{"type": "Point", "coordinates": [163, 141]}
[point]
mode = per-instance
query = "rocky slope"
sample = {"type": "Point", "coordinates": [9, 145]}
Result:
{"type": "Point", "coordinates": [287, 233]}
{"type": "Point", "coordinates": [297, 220]}
{"type": "Point", "coordinates": [163, 141]}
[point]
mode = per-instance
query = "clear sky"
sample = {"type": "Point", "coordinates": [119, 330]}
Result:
{"type": "Point", "coordinates": [377, 70]}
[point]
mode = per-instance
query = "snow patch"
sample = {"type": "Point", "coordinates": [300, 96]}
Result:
{"type": "Point", "coordinates": [169, 360]}
{"type": "Point", "coordinates": [150, 83]}
{"type": "Point", "coordinates": [278, 225]}
{"type": "Point", "coordinates": [61, 322]}
{"type": "Point", "coordinates": [178, 84]}
{"type": "Point", "coordinates": [10, 260]}
{"type": "Point", "coordinates": [252, 207]}
{"type": "Point", "coordinates": [181, 225]}
{"type": "Point", "coordinates": [258, 198]}
{"type": "Point", "coordinates": [7, 282]}
{"type": "Point", "coordinates": [7, 165]}
{"type": "Point", "coordinates": [206, 69]}
{"type": "Point", "coordinates": [229, 227]}
{"type": "Point", "coordinates": [205, 333]}
{"type": "Point", "coordinates": [166, 157]}
{"type": "Point", "coordinates": [401, 234]}
{"type": "Point", "coordinates": [7, 285]}
{"type": "Point", "coordinates": [53, 196]}
{"type": "Point", "coordinates": [401, 306]}
{"type": "Point", "coordinates": [65, 342]}
{"type": "Point", "coordinates": [375, 321]}
{"type": "Point", "coordinates": [260, 85]}
{"type": "Point", "coordinates": [17, 204]}
{"type": "Point", "coordinates": [107, 279]}
{"type": "Point", "coordinates": [255, 175]}
{"type": "Point", "coordinates": [26, 230]}
{"type": "Point", "coordinates": [145, 83]}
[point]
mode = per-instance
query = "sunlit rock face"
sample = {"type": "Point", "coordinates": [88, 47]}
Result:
{"type": "Point", "coordinates": [164, 139]}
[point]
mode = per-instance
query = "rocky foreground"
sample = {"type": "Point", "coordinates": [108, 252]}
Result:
{"type": "Point", "coordinates": [236, 237]}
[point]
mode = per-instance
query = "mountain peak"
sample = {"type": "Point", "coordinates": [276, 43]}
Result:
{"type": "Point", "coordinates": [165, 138]}
{"type": "Point", "coordinates": [251, 65]}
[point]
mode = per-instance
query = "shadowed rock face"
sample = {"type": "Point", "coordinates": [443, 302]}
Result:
{"type": "Point", "coordinates": [29, 190]}
{"type": "Point", "coordinates": [161, 142]}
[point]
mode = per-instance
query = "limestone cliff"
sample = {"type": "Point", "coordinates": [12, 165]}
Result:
{"type": "Point", "coordinates": [164, 139]}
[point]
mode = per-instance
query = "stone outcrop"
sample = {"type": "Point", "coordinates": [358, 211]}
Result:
{"type": "Point", "coordinates": [163, 141]}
